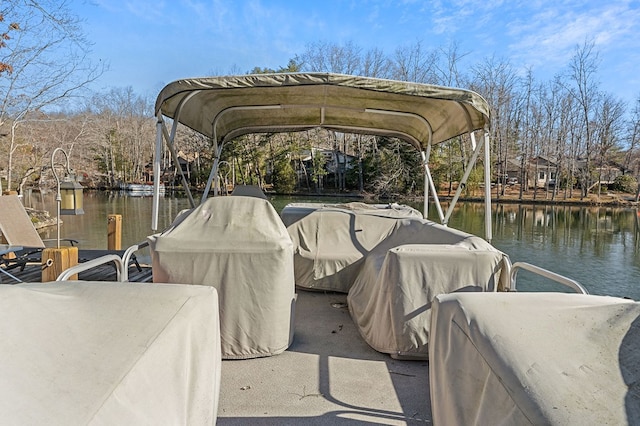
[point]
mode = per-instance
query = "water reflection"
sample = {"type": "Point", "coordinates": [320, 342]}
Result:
{"type": "Point", "coordinates": [597, 246]}
{"type": "Point", "coordinates": [90, 229]}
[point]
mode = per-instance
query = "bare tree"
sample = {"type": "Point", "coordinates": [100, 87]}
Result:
{"type": "Point", "coordinates": [633, 131]}
{"type": "Point", "coordinates": [498, 82]}
{"type": "Point", "coordinates": [525, 138]}
{"type": "Point", "coordinates": [323, 56]}
{"type": "Point", "coordinates": [582, 73]}
{"type": "Point", "coordinates": [375, 64]}
{"type": "Point", "coordinates": [5, 35]}
{"type": "Point", "coordinates": [447, 69]}
{"type": "Point", "coordinates": [121, 134]}
{"type": "Point", "coordinates": [609, 126]}
{"type": "Point", "coordinates": [44, 61]}
{"type": "Point", "coordinates": [632, 156]}
{"type": "Point", "coordinates": [564, 140]}
{"type": "Point", "coordinates": [413, 63]}
{"type": "Point", "coordinates": [554, 119]}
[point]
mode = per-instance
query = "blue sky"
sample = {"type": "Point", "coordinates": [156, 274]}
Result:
{"type": "Point", "coordinates": [148, 44]}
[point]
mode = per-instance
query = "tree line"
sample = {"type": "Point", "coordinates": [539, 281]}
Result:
{"type": "Point", "coordinates": [110, 136]}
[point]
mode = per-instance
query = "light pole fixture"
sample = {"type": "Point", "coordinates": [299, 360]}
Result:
{"type": "Point", "coordinates": [69, 192]}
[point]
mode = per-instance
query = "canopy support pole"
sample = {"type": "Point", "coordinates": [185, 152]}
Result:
{"type": "Point", "coordinates": [213, 175]}
{"type": "Point", "coordinates": [472, 161]}
{"type": "Point", "coordinates": [170, 139]}
{"type": "Point", "coordinates": [161, 131]}
{"type": "Point", "coordinates": [156, 173]}
{"type": "Point", "coordinates": [214, 170]}
{"type": "Point", "coordinates": [425, 207]}
{"type": "Point", "coordinates": [487, 189]}
{"type": "Point", "coordinates": [425, 162]}
{"type": "Point", "coordinates": [429, 185]}
{"type": "Point", "coordinates": [217, 151]}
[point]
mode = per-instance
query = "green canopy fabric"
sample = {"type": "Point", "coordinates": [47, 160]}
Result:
{"type": "Point", "coordinates": [227, 107]}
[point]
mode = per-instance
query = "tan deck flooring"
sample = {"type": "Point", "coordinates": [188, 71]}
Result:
{"type": "Point", "coordinates": [329, 375]}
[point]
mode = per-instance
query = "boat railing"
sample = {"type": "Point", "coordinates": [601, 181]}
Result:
{"type": "Point", "coordinates": [128, 253]}
{"type": "Point", "coordinates": [574, 285]}
{"type": "Point", "coordinates": [121, 270]}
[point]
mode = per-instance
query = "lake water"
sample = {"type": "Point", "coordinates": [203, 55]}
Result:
{"type": "Point", "coordinates": [596, 246]}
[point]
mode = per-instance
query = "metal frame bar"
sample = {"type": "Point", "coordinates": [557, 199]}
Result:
{"type": "Point", "coordinates": [430, 185]}
{"type": "Point", "coordinates": [472, 161]}
{"type": "Point", "coordinates": [574, 285]}
{"type": "Point", "coordinates": [126, 257]}
{"type": "Point", "coordinates": [156, 173]}
{"type": "Point", "coordinates": [488, 235]}
{"type": "Point", "coordinates": [161, 131]}
{"type": "Point", "coordinates": [212, 175]}
{"type": "Point", "coordinates": [121, 270]}
{"type": "Point", "coordinates": [6, 249]}
{"type": "Point", "coordinates": [10, 275]}
{"type": "Point", "coordinates": [170, 139]}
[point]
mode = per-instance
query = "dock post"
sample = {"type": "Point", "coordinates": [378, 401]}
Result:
{"type": "Point", "coordinates": [114, 232]}
{"type": "Point", "coordinates": [56, 260]}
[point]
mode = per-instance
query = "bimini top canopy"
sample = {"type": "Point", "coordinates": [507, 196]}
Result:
{"type": "Point", "coordinates": [224, 108]}
{"type": "Point", "coordinates": [227, 107]}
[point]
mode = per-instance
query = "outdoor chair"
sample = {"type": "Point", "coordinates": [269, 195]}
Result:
{"type": "Point", "coordinates": [15, 224]}
{"type": "Point", "coordinates": [19, 237]}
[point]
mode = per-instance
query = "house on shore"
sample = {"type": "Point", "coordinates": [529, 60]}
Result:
{"type": "Point", "coordinates": [543, 172]}
{"type": "Point", "coordinates": [336, 165]}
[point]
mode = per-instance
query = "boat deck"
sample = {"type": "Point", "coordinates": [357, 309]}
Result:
{"type": "Point", "coordinates": [329, 375]}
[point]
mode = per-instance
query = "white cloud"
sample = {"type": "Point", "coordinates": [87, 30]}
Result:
{"type": "Point", "coordinates": [146, 9]}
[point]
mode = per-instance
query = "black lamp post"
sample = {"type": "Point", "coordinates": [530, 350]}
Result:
{"type": "Point", "coordinates": [69, 192]}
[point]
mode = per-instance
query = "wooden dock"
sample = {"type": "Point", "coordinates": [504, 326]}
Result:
{"type": "Point", "coordinates": [32, 271]}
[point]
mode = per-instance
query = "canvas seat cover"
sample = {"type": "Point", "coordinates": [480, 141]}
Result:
{"type": "Point", "coordinates": [332, 240]}
{"type": "Point", "coordinates": [535, 358]}
{"type": "Point", "coordinates": [240, 246]}
{"type": "Point", "coordinates": [105, 353]}
{"type": "Point", "coordinates": [390, 300]}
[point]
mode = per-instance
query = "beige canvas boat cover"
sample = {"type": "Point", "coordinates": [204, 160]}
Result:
{"type": "Point", "coordinates": [103, 353]}
{"type": "Point", "coordinates": [332, 240]}
{"type": "Point", "coordinates": [240, 246]}
{"type": "Point", "coordinates": [535, 358]}
{"type": "Point", "coordinates": [293, 212]}
{"type": "Point", "coordinates": [238, 105]}
{"type": "Point", "coordinates": [390, 300]}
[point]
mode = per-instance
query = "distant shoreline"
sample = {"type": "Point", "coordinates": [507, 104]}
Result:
{"type": "Point", "coordinates": [610, 199]}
